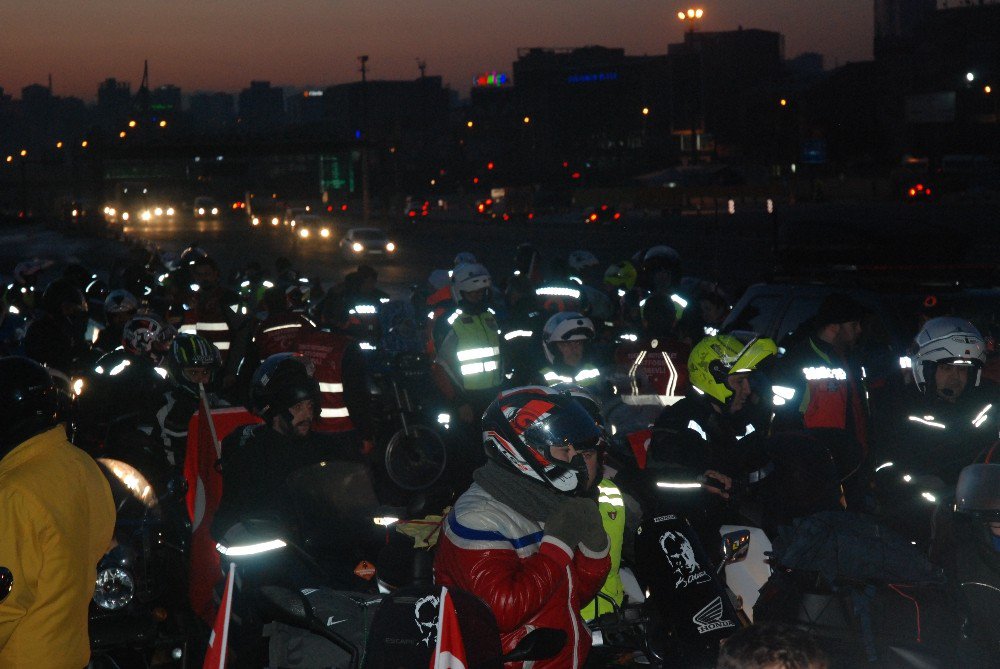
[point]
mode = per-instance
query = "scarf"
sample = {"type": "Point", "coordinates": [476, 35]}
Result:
{"type": "Point", "coordinates": [528, 497]}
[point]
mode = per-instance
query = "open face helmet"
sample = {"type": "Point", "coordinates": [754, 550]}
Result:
{"type": "Point", "coordinates": [565, 326]}
{"type": "Point", "coordinates": [468, 278]}
{"type": "Point", "coordinates": [947, 341]}
{"type": "Point", "coordinates": [713, 359]}
{"type": "Point", "coordinates": [190, 352]}
{"type": "Point", "coordinates": [521, 427]}
{"type": "Point", "coordinates": [282, 381]}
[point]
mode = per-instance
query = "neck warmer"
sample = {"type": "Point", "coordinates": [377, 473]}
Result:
{"type": "Point", "coordinates": [530, 498]}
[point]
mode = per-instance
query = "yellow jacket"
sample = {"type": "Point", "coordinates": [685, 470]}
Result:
{"type": "Point", "coordinates": [57, 518]}
{"type": "Point", "coordinates": [613, 517]}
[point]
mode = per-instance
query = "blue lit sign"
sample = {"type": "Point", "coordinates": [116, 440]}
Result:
{"type": "Point", "coordinates": [588, 78]}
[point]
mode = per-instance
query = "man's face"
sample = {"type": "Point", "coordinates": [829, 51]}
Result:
{"type": "Point", "coordinates": [474, 296]}
{"type": "Point", "coordinates": [567, 453]}
{"type": "Point", "coordinates": [740, 385]}
{"type": "Point", "coordinates": [571, 351]}
{"type": "Point", "coordinates": [847, 335]}
{"type": "Point", "coordinates": [200, 375]}
{"type": "Point", "coordinates": [205, 275]}
{"type": "Point", "coordinates": [995, 528]}
{"type": "Point", "coordinates": [950, 381]}
{"type": "Point", "coordinates": [302, 418]}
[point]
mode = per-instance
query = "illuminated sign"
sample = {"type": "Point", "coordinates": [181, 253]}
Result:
{"type": "Point", "coordinates": [312, 94]}
{"type": "Point", "coordinates": [588, 78]}
{"type": "Point", "coordinates": [490, 79]}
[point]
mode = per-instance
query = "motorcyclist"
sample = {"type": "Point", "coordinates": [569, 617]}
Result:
{"type": "Point", "coordinates": [257, 459]}
{"type": "Point", "coordinates": [56, 337]}
{"type": "Point", "coordinates": [57, 518]}
{"type": "Point", "coordinates": [193, 363]}
{"type": "Point", "coordinates": [710, 435]}
{"type": "Point", "coordinates": [565, 340]}
{"type": "Point", "coordinates": [468, 367]}
{"type": "Point", "coordinates": [819, 386]}
{"type": "Point", "coordinates": [653, 368]}
{"type": "Point", "coordinates": [280, 329]}
{"type": "Point", "coordinates": [527, 536]}
{"type": "Point", "coordinates": [215, 314]}
{"type": "Point", "coordinates": [119, 308]}
{"type": "Point", "coordinates": [967, 543]}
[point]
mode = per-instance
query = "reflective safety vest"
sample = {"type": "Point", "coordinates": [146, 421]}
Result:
{"type": "Point", "coordinates": [585, 376]}
{"type": "Point", "coordinates": [213, 325]}
{"type": "Point", "coordinates": [612, 508]}
{"type": "Point", "coordinates": [477, 351]}
{"type": "Point", "coordinates": [657, 372]}
{"type": "Point", "coordinates": [326, 350]}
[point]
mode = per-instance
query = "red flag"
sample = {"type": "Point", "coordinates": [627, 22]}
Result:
{"type": "Point", "coordinates": [215, 655]}
{"type": "Point", "coordinates": [449, 652]}
{"type": "Point", "coordinates": [205, 431]}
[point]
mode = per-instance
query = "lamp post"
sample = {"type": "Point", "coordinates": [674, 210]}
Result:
{"type": "Point", "coordinates": [691, 17]}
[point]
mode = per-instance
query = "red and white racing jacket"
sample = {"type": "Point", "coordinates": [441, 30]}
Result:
{"type": "Point", "coordinates": [527, 578]}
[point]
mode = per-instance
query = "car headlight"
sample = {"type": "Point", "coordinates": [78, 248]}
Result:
{"type": "Point", "coordinates": [201, 211]}
{"type": "Point", "coordinates": [113, 589]}
{"type": "Point", "coordinates": [304, 232]}
{"type": "Point", "coordinates": [358, 248]}
{"type": "Point", "coordinates": [324, 233]}
{"type": "Point", "coordinates": [158, 211]}
{"type": "Point", "coordinates": [124, 215]}
{"type": "Point", "coordinates": [146, 215]}
{"type": "Point", "coordinates": [170, 211]}
{"type": "Point", "coordinates": [390, 247]}
{"type": "Point", "coordinates": [255, 220]}
{"type": "Point", "coordinates": [215, 211]}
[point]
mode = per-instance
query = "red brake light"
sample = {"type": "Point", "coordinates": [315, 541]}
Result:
{"type": "Point", "coordinates": [617, 216]}
{"type": "Point", "coordinates": [593, 217]}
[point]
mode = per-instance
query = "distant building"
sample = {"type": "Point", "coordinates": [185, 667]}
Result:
{"type": "Point", "coordinates": [261, 107]}
{"type": "Point", "coordinates": [306, 106]}
{"type": "Point", "coordinates": [899, 24]}
{"type": "Point", "coordinates": [114, 104]}
{"type": "Point", "coordinates": [805, 64]}
{"type": "Point", "coordinates": [211, 112]}
{"type": "Point", "coordinates": [165, 102]}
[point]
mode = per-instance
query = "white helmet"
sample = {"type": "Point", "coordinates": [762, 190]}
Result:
{"type": "Point", "coordinates": [950, 341]}
{"type": "Point", "coordinates": [580, 260]}
{"type": "Point", "coordinates": [565, 326]}
{"type": "Point", "coordinates": [463, 258]}
{"type": "Point", "coordinates": [469, 277]}
{"type": "Point", "coordinates": [120, 301]}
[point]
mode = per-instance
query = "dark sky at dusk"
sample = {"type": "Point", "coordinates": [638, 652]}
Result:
{"type": "Point", "coordinates": [223, 44]}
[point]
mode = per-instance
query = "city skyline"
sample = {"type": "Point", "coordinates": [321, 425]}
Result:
{"type": "Point", "coordinates": [222, 46]}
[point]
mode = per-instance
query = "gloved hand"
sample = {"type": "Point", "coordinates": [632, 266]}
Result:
{"type": "Point", "coordinates": [577, 520]}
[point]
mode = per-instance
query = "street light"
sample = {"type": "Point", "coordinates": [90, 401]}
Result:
{"type": "Point", "coordinates": [645, 111]}
{"type": "Point", "coordinates": [969, 76]}
{"type": "Point", "coordinates": [691, 15]}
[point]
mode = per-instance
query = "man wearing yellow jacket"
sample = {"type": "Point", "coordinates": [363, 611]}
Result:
{"type": "Point", "coordinates": [612, 508]}
{"type": "Point", "coordinates": [57, 518]}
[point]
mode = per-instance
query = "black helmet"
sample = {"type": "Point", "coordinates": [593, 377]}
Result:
{"type": "Point", "coordinates": [191, 350]}
{"type": "Point", "coordinates": [29, 401]}
{"type": "Point", "coordinates": [282, 381]}
{"type": "Point", "coordinates": [522, 425]}
{"type": "Point", "coordinates": [60, 292]}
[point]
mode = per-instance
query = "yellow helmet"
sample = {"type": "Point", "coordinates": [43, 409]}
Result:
{"type": "Point", "coordinates": [715, 358]}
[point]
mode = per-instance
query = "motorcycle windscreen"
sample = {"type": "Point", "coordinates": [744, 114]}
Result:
{"type": "Point", "coordinates": [978, 490]}
{"type": "Point", "coordinates": [682, 582]}
{"type": "Point", "coordinates": [333, 499]}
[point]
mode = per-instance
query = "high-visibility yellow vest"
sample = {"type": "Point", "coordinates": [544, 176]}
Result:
{"type": "Point", "coordinates": [613, 516]}
{"type": "Point", "coordinates": [478, 351]}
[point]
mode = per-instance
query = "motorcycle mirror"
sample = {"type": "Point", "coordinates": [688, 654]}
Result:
{"type": "Point", "coordinates": [735, 546]}
{"type": "Point", "coordinates": [539, 644]}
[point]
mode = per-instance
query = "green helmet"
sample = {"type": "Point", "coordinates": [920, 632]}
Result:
{"type": "Point", "coordinates": [715, 358]}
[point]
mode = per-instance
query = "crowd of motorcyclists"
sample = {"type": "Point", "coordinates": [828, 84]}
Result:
{"type": "Point", "coordinates": [556, 387]}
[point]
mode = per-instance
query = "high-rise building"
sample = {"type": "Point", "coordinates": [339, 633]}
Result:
{"type": "Point", "coordinates": [898, 24]}
{"type": "Point", "coordinates": [211, 111]}
{"type": "Point", "coordinates": [262, 107]}
{"type": "Point", "coordinates": [114, 104]}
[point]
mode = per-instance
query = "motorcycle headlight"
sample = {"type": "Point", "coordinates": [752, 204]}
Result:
{"type": "Point", "coordinates": [113, 589]}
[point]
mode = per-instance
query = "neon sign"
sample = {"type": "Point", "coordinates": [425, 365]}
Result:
{"type": "Point", "coordinates": [490, 79]}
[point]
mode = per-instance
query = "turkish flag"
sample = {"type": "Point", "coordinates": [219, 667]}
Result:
{"type": "Point", "coordinates": [215, 654]}
{"type": "Point", "coordinates": [206, 431]}
{"type": "Point", "coordinates": [449, 652]}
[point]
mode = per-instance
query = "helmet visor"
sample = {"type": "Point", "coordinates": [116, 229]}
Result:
{"type": "Point", "coordinates": [978, 490]}
{"type": "Point", "coordinates": [755, 350]}
{"type": "Point", "coordinates": [566, 425]}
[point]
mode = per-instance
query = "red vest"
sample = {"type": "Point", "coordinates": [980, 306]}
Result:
{"type": "Point", "coordinates": [326, 350]}
{"type": "Point", "coordinates": [654, 372]}
{"type": "Point", "coordinates": [279, 333]}
{"type": "Point", "coordinates": [208, 318]}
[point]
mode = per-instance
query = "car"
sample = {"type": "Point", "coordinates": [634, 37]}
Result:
{"type": "Point", "coordinates": [602, 214]}
{"type": "Point", "coordinates": [416, 207]}
{"type": "Point", "coordinates": [359, 242]}
{"type": "Point", "coordinates": [206, 207]}
{"type": "Point", "coordinates": [313, 226]}
{"type": "Point", "coordinates": [292, 214]}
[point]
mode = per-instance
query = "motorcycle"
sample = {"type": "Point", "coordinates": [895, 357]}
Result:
{"type": "Point", "coordinates": [139, 614]}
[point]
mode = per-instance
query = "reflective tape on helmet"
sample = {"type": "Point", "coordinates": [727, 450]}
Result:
{"type": "Point", "coordinates": [282, 327]}
{"type": "Point", "coordinates": [331, 387]}
{"type": "Point", "coordinates": [478, 353]}
{"type": "Point", "coordinates": [558, 291]}
{"type": "Point", "coordinates": [334, 413]}
{"type": "Point", "coordinates": [822, 373]}
{"type": "Point", "coordinates": [697, 428]}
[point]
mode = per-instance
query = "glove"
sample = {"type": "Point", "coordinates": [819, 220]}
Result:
{"type": "Point", "coordinates": [577, 520]}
